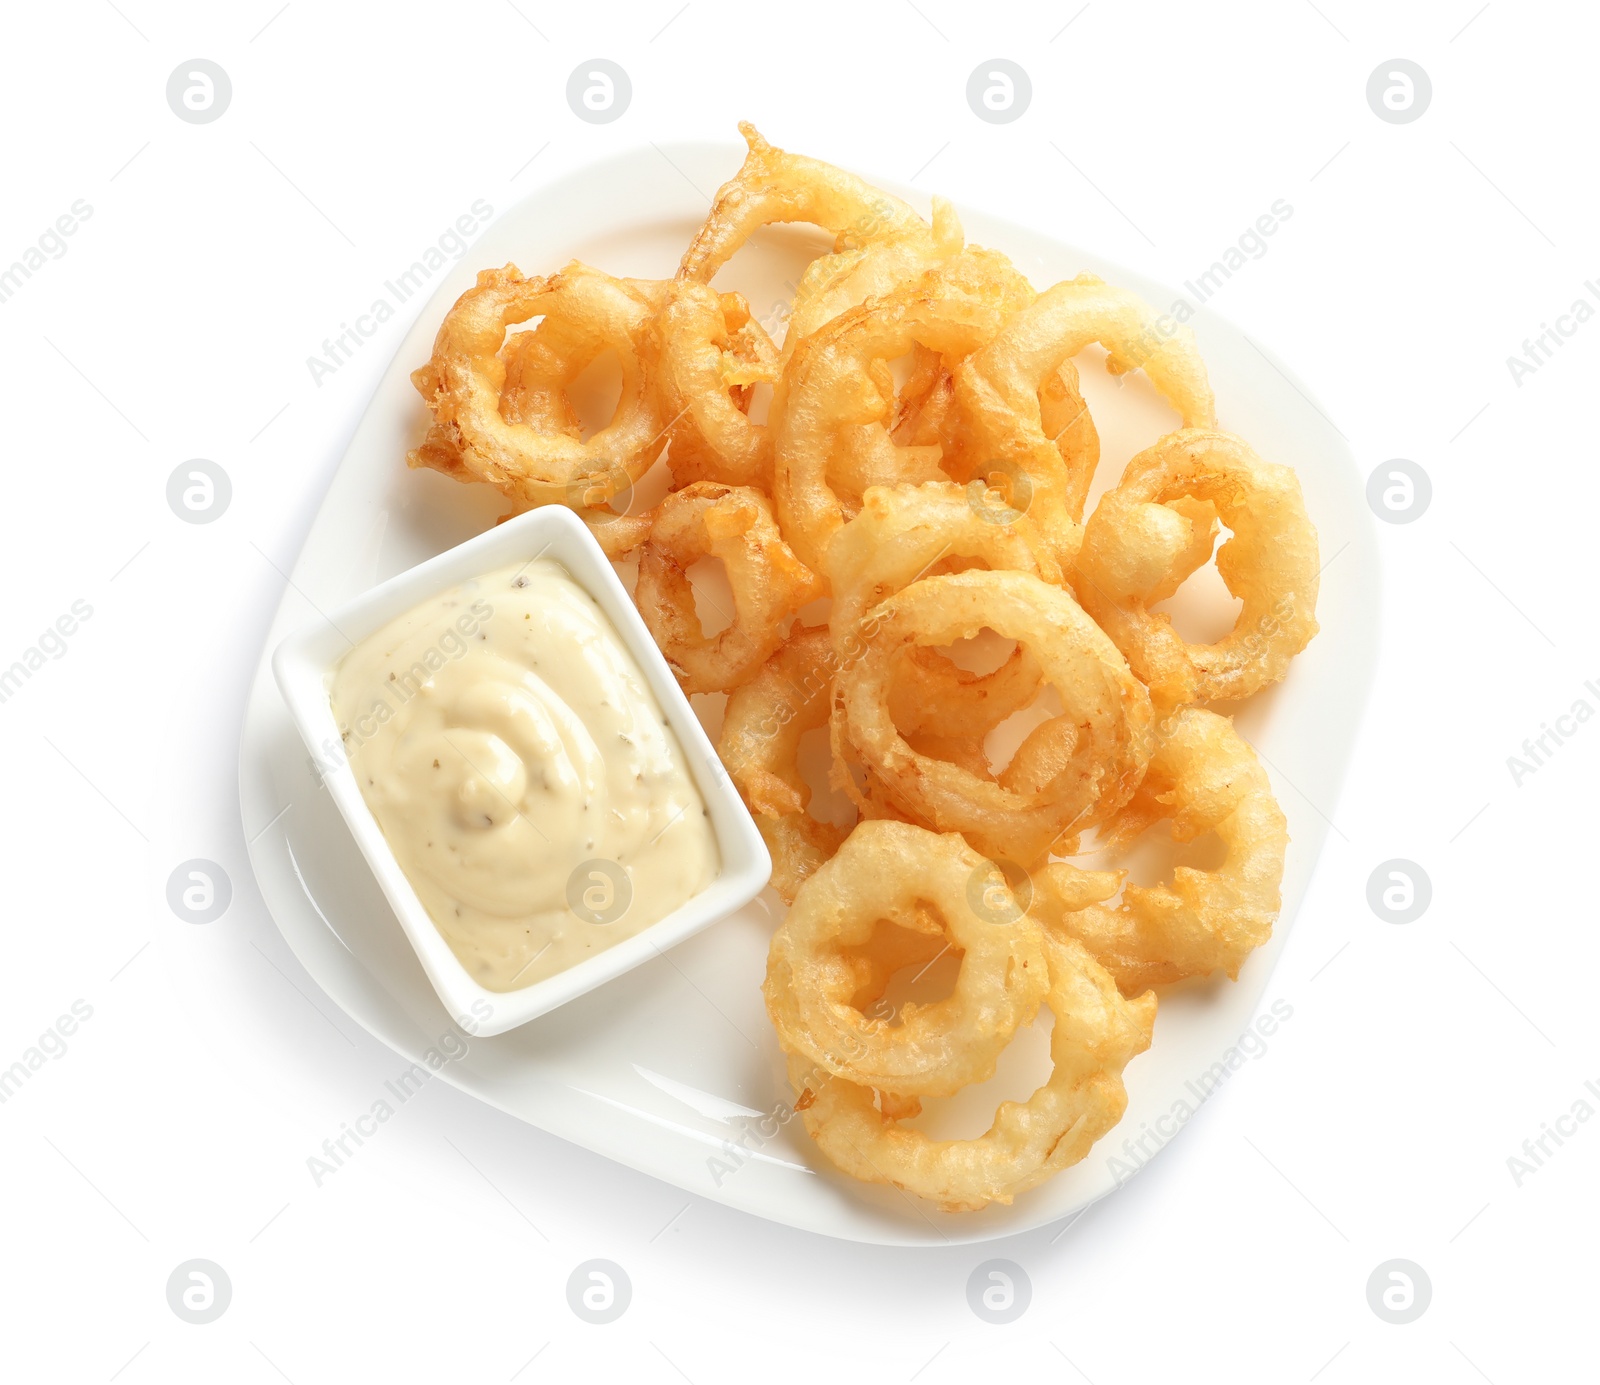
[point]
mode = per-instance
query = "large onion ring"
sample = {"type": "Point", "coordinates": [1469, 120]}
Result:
{"type": "Point", "coordinates": [884, 871]}
{"type": "Point", "coordinates": [1204, 778]}
{"type": "Point", "coordinates": [1133, 540]}
{"type": "Point", "coordinates": [769, 584]}
{"type": "Point", "coordinates": [1096, 1033]}
{"type": "Point", "coordinates": [472, 439]}
{"type": "Point", "coordinates": [1100, 742]}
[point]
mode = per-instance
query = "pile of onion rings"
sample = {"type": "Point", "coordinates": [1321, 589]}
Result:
{"type": "Point", "coordinates": [916, 576]}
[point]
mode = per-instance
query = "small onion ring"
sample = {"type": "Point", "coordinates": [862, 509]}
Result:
{"type": "Point", "coordinates": [1002, 392]}
{"type": "Point", "coordinates": [463, 383]}
{"type": "Point", "coordinates": [1270, 563]}
{"type": "Point", "coordinates": [540, 366]}
{"type": "Point", "coordinates": [884, 871]}
{"type": "Point", "coordinates": [761, 730]}
{"type": "Point", "coordinates": [708, 353]}
{"type": "Point", "coordinates": [1097, 1032]}
{"type": "Point", "coordinates": [769, 584]}
{"type": "Point", "coordinates": [1204, 778]}
{"type": "Point", "coordinates": [1106, 723]}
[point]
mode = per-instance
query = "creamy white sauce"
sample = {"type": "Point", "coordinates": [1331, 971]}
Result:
{"type": "Point", "coordinates": [523, 773]}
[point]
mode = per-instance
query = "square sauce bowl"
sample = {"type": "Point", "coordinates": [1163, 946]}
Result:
{"type": "Point", "coordinates": [305, 665]}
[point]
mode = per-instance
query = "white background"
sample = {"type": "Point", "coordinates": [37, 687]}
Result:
{"type": "Point", "coordinates": [177, 324]}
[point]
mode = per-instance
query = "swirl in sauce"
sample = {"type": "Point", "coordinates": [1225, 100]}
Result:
{"type": "Point", "coordinates": [514, 756]}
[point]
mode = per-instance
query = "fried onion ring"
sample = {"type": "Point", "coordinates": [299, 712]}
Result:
{"type": "Point", "coordinates": [769, 584]}
{"type": "Point", "coordinates": [837, 380]}
{"type": "Point", "coordinates": [1100, 742]}
{"type": "Point", "coordinates": [835, 283]}
{"type": "Point", "coordinates": [882, 872]}
{"type": "Point", "coordinates": [709, 353]}
{"type": "Point", "coordinates": [464, 380]}
{"type": "Point", "coordinates": [901, 535]}
{"type": "Point", "coordinates": [1204, 778]}
{"type": "Point", "coordinates": [761, 730]}
{"type": "Point", "coordinates": [1021, 417]}
{"type": "Point", "coordinates": [898, 536]}
{"type": "Point", "coordinates": [1097, 1032]}
{"type": "Point", "coordinates": [1270, 563]}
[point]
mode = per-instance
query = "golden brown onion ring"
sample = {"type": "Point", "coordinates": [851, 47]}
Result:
{"type": "Point", "coordinates": [709, 353]}
{"type": "Point", "coordinates": [761, 730]}
{"type": "Point", "coordinates": [884, 871]}
{"type": "Point", "coordinates": [463, 383]}
{"type": "Point", "coordinates": [1095, 1035]}
{"type": "Point", "coordinates": [769, 584]}
{"type": "Point", "coordinates": [901, 535]}
{"type": "Point", "coordinates": [1011, 424]}
{"type": "Point", "coordinates": [1105, 726]}
{"type": "Point", "coordinates": [1138, 540]}
{"type": "Point", "coordinates": [1204, 778]}
{"type": "Point", "coordinates": [836, 380]}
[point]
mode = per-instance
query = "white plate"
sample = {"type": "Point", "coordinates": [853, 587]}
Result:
{"type": "Point", "coordinates": [672, 1066]}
